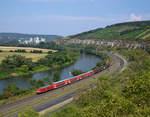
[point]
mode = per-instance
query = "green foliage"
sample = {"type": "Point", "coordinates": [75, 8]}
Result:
{"type": "Point", "coordinates": [16, 61]}
{"type": "Point", "coordinates": [40, 83]}
{"type": "Point", "coordinates": [24, 68]}
{"type": "Point", "coordinates": [47, 80]}
{"type": "Point", "coordinates": [101, 63]}
{"type": "Point", "coordinates": [138, 89]}
{"type": "Point", "coordinates": [50, 52]}
{"type": "Point", "coordinates": [36, 51]}
{"type": "Point", "coordinates": [71, 110]}
{"type": "Point", "coordinates": [148, 49]}
{"type": "Point", "coordinates": [76, 72]}
{"type": "Point", "coordinates": [59, 60]}
{"type": "Point", "coordinates": [123, 94]}
{"type": "Point", "coordinates": [56, 76]}
{"type": "Point", "coordinates": [29, 113]}
{"type": "Point", "coordinates": [37, 83]}
{"type": "Point", "coordinates": [20, 50]}
{"type": "Point", "coordinates": [12, 90]}
{"type": "Point", "coordinates": [49, 45]}
{"type": "Point", "coordinates": [16, 65]}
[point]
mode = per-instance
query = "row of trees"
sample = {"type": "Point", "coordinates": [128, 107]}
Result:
{"type": "Point", "coordinates": [19, 50]}
{"type": "Point", "coordinates": [59, 60]}
{"type": "Point", "coordinates": [24, 51]}
{"type": "Point", "coordinates": [36, 51]}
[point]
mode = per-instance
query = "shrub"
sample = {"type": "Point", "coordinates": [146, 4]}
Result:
{"type": "Point", "coordinates": [56, 76]}
{"type": "Point", "coordinates": [29, 113]}
{"type": "Point", "coordinates": [76, 72]}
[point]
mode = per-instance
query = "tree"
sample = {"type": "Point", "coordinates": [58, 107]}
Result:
{"type": "Point", "coordinates": [50, 52]}
{"type": "Point", "coordinates": [39, 83]}
{"type": "Point", "coordinates": [56, 76]}
{"type": "Point", "coordinates": [101, 63]}
{"type": "Point", "coordinates": [24, 68]}
{"type": "Point", "coordinates": [16, 61]}
{"type": "Point", "coordinates": [29, 113]}
{"type": "Point", "coordinates": [12, 90]}
{"type": "Point", "coordinates": [76, 72]}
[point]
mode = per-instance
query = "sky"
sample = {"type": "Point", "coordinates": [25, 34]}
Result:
{"type": "Point", "coordinates": [68, 17]}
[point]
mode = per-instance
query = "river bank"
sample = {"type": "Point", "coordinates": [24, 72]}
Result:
{"type": "Point", "coordinates": [19, 66]}
{"type": "Point", "coordinates": [80, 63]}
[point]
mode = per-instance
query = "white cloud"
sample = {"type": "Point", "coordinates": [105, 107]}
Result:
{"type": "Point", "coordinates": [134, 17]}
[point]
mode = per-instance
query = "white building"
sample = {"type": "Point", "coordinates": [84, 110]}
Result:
{"type": "Point", "coordinates": [35, 40]}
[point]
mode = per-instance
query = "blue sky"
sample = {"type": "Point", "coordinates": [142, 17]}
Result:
{"type": "Point", "coordinates": [66, 17]}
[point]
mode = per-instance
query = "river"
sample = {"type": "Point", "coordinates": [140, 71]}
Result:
{"type": "Point", "coordinates": [85, 63]}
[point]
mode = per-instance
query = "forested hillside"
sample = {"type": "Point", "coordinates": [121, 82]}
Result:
{"type": "Point", "coordinates": [133, 31]}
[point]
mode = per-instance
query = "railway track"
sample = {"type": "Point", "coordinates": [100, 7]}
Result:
{"type": "Point", "coordinates": [49, 99]}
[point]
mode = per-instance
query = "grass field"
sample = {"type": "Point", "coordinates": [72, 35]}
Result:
{"type": "Point", "coordinates": [34, 56]}
{"type": "Point", "coordinates": [7, 49]}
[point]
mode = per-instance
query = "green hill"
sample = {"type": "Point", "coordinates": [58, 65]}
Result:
{"type": "Point", "coordinates": [139, 31]}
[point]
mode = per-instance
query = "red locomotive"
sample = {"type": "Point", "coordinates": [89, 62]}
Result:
{"type": "Point", "coordinates": [70, 80]}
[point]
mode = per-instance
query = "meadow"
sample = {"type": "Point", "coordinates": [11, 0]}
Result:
{"type": "Point", "coordinates": [7, 49]}
{"type": "Point", "coordinates": [35, 56]}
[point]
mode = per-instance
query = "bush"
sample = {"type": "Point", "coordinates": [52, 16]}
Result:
{"type": "Point", "coordinates": [101, 63]}
{"type": "Point", "coordinates": [50, 52]}
{"type": "Point", "coordinates": [20, 50]}
{"type": "Point", "coordinates": [56, 76]}
{"type": "Point", "coordinates": [39, 83]}
{"type": "Point", "coordinates": [36, 51]}
{"type": "Point", "coordinates": [29, 113]}
{"type": "Point", "coordinates": [24, 68]}
{"type": "Point", "coordinates": [16, 61]}
{"type": "Point", "coordinates": [12, 90]}
{"type": "Point", "coordinates": [76, 72]}
{"type": "Point", "coordinates": [3, 96]}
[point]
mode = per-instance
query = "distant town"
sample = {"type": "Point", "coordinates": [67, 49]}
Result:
{"type": "Point", "coordinates": [35, 40]}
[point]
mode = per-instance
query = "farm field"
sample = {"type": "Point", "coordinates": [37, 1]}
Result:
{"type": "Point", "coordinates": [7, 49]}
{"type": "Point", "coordinates": [34, 56]}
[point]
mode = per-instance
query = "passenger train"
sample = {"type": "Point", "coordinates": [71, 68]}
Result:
{"type": "Point", "coordinates": [70, 80]}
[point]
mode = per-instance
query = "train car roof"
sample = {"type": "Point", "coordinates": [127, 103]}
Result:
{"type": "Point", "coordinates": [85, 72]}
{"type": "Point", "coordinates": [64, 80]}
{"type": "Point", "coordinates": [71, 77]}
